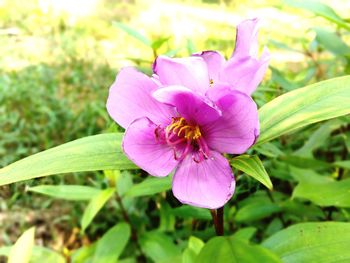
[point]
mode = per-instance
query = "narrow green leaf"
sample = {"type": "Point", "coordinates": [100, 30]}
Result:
{"type": "Point", "coordinates": [93, 153]}
{"type": "Point", "coordinates": [245, 234]}
{"type": "Point", "coordinates": [95, 206]}
{"type": "Point", "coordinates": [150, 186]}
{"type": "Point", "coordinates": [312, 242]}
{"type": "Point", "coordinates": [251, 165]}
{"type": "Point", "coordinates": [320, 9]}
{"type": "Point", "coordinates": [343, 164]}
{"type": "Point", "coordinates": [230, 249]}
{"type": "Point", "coordinates": [256, 210]}
{"type": "Point", "coordinates": [159, 42]}
{"type": "Point", "coordinates": [112, 244]}
{"type": "Point", "coordinates": [132, 32]}
{"type": "Point", "coordinates": [21, 251]}
{"type": "Point", "coordinates": [159, 247]}
{"type": "Point", "coordinates": [298, 108]}
{"type": "Point", "coordinates": [67, 192]}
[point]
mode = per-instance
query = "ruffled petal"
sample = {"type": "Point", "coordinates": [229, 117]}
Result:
{"type": "Point", "coordinates": [208, 184]}
{"type": "Point", "coordinates": [142, 146]}
{"type": "Point", "coordinates": [247, 39]}
{"type": "Point", "coordinates": [130, 98]}
{"type": "Point", "coordinates": [191, 106]}
{"type": "Point", "coordinates": [190, 72]}
{"type": "Point", "coordinates": [214, 61]}
{"type": "Point", "coordinates": [245, 74]}
{"type": "Point", "coordinates": [238, 128]}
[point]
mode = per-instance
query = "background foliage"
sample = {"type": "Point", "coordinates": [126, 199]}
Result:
{"type": "Point", "coordinates": [57, 62]}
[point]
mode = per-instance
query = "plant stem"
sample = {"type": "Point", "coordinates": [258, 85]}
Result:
{"type": "Point", "coordinates": [134, 236]}
{"type": "Point", "coordinates": [218, 220]}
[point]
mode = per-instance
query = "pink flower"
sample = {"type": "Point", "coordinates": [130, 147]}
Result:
{"type": "Point", "coordinates": [190, 112]}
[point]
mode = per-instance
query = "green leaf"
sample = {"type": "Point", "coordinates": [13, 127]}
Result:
{"type": "Point", "coordinates": [256, 210]}
{"type": "Point", "coordinates": [93, 153]}
{"type": "Point", "coordinates": [312, 242]}
{"type": "Point", "coordinates": [332, 42]}
{"type": "Point", "coordinates": [304, 162]}
{"type": "Point", "coordinates": [251, 165]}
{"type": "Point", "coordinates": [158, 246]}
{"type": "Point", "coordinates": [190, 212]}
{"type": "Point", "coordinates": [21, 251]}
{"type": "Point", "coordinates": [298, 108]}
{"type": "Point", "coordinates": [84, 254]}
{"type": "Point", "coordinates": [132, 32]}
{"type": "Point", "coordinates": [321, 190]}
{"type": "Point", "coordinates": [245, 234]}
{"type": "Point", "coordinates": [194, 247]}
{"type": "Point", "coordinates": [159, 42]}
{"type": "Point", "coordinates": [343, 164]}
{"type": "Point", "coordinates": [318, 137]}
{"type": "Point", "coordinates": [112, 244]}
{"type": "Point", "coordinates": [38, 253]}
{"type": "Point", "coordinates": [94, 206]}
{"type": "Point", "coordinates": [230, 249]}
{"type": "Point", "coordinates": [67, 192]}
{"type": "Point", "coordinates": [150, 186]}
{"type": "Point", "coordinates": [319, 9]}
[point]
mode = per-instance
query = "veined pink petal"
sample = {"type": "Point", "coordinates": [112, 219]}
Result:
{"type": "Point", "coordinates": [189, 72]}
{"type": "Point", "coordinates": [130, 98]}
{"type": "Point", "coordinates": [245, 74]}
{"type": "Point", "coordinates": [191, 106]}
{"type": "Point", "coordinates": [214, 61]}
{"type": "Point", "coordinates": [238, 127]}
{"type": "Point", "coordinates": [141, 145]}
{"type": "Point", "coordinates": [247, 39]}
{"type": "Point", "coordinates": [208, 184]}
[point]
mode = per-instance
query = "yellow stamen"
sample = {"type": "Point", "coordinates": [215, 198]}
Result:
{"type": "Point", "coordinates": [181, 128]}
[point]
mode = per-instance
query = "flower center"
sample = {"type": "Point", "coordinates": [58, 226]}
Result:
{"type": "Point", "coordinates": [186, 138]}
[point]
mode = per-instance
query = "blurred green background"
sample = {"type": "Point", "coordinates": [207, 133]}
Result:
{"type": "Point", "coordinates": [58, 59]}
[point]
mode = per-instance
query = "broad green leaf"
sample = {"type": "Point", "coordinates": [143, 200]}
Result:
{"type": "Point", "coordinates": [150, 186]}
{"type": "Point", "coordinates": [332, 42]}
{"type": "Point", "coordinates": [112, 244]}
{"type": "Point", "coordinates": [38, 253]}
{"type": "Point", "coordinates": [230, 249]}
{"type": "Point", "coordinates": [21, 251]}
{"type": "Point", "coordinates": [320, 9]}
{"type": "Point", "coordinates": [245, 234]}
{"type": "Point", "coordinates": [93, 153]}
{"type": "Point", "coordinates": [67, 192]}
{"type": "Point", "coordinates": [321, 190]}
{"type": "Point", "coordinates": [132, 32]}
{"type": "Point", "coordinates": [186, 211]}
{"type": "Point", "coordinates": [158, 246]}
{"type": "Point", "coordinates": [298, 108]}
{"type": "Point", "coordinates": [323, 242]}
{"type": "Point", "coordinates": [251, 165]}
{"type": "Point", "coordinates": [194, 247]}
{"type": "Point", "coordinates": [256, 210]}
{"type": "Point", "coordinates": [94, 206]}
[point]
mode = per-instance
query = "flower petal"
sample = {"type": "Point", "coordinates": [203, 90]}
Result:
{"type": "Point", "coordinates": [190, 72]}
{"type": "Point", "coordinates": [209, 183]}
{"type": "Point", "coordinates": [245, 74]}
{"type": "Point", "coordinates": [145, 150]}
{"type": "Point", "coordinates": [238, 127]}
{"type": "Point", "coordinates": [191, 106]}
{"type": "Point", "coordinates": [130, 98]}
{"type": "Point", "coordinates": [214, 61]}
{"type": "Point", "coordinates": [247, 39]}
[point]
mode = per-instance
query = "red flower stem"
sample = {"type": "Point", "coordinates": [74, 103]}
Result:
{"type": "Point", "coordinates": [218, 220]}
